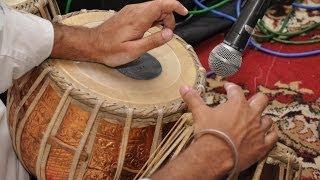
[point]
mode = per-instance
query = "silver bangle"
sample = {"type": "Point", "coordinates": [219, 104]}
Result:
{"type": "Point", "coordinates": [227, 139]}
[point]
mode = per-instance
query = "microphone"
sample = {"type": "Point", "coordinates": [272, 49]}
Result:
{"type": "Point", "coordinates": [226, 58]}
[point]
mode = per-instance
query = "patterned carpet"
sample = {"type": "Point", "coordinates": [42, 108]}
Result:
{"type": "Point", "coordinates": [293, 87]}
{"type": "Point", "coordinates": [296, 121]}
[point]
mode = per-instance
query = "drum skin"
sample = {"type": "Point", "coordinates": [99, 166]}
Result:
{"type": "Point", "coordinates": [63, 128]}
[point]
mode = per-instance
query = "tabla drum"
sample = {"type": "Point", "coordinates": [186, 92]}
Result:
{"type": "Point", "coordinates": [281, 162]}
{"type": "Point", "coordinates": [47, 9]}
{"type": "Point", "coordinates": [79, 120]}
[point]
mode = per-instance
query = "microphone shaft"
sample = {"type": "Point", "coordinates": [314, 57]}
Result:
{"type": "Point", "coordinates": [241, 31]}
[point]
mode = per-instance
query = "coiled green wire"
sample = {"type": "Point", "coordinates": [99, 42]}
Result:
{"type": "Point", "coordinates": [280, 36]}
{"type": "Point", "coordinates": [194, 12]}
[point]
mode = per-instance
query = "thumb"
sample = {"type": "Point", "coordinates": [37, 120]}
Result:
{"type": "Point", "coordinates": [191, 98]}
{"type": "Point", "coordinates": [152, 41]}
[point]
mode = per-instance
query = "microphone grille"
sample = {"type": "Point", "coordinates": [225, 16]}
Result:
{"type": "Point", "coordinates": [225, 60]}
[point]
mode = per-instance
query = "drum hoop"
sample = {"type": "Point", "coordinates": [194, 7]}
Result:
{"type": "Point", "coordinates": [142, 111]}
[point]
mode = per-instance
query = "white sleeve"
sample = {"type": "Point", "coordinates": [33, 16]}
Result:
{"type": "Point", "coordinates": [25, 41]}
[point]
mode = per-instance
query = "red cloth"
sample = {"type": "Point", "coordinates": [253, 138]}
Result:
{"type": "Point", "coordinates": [262, 69]}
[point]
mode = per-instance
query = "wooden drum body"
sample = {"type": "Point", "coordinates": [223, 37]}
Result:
{"type": "Point", "coordinates": [77, 120]}
{"type": "Point", "coordinates": [47, 9]}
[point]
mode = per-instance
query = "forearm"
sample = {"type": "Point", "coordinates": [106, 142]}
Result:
{"type": "Point", "coordinates": [75, 43]}
{"type": "Point", "coordinates": [207, 158]}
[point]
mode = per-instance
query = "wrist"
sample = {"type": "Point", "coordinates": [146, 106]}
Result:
{"type": "Point", "coordinates": [75, 43]}
{"type": "Point", "coordinates": [216, 153]}
{"type": "Point", "coordinates": [90, 45]}
{"type": "Point", "coordinates": [97, 45]}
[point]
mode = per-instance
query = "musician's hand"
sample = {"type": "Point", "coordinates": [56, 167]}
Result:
{"type": "Point", "coordinates": [239, 118]}
{"type": "Point", "coordinates": [121, 37]}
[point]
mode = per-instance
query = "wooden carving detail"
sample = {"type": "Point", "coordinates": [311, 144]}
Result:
{"type": "Point", "coordinates": [36, 125]}
{"type": "Point", "coordinates": [102, 160]}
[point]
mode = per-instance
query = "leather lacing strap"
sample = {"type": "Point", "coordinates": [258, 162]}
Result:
{"type": "Point", "coordinates": [124, 143]}
{"type": "Point", "coordinates": [89, 148]}
{"type": "Point", "coordinates": [46, 134]}
{"type": "Point", "coordinates": [157, 132]}
{"type": "Point", "coordinates": [167, 145]}
{"type": "Point", "coordinates": [43, 12]}
{"type": "Point", "coordinates": [53, 140]}
{"type": "Point", "coordinates": [184, 142]}
{"type": "Point", "coordinates": [53, 8]}
{"type": "Point", "coordinates": [23, 101]}
{"type": "Point", "coordinates": [286, 171]}
{"type": "Point", "coordinates": [258, 172]}
{"type": "Point", "coordinates": [25, 118]}
{"type": "Point", "coordinates": [83, 140]}
{"type": "Point", "coordinates": [282, 168]}
{"type": "Point", "coordinates": [170, 150]}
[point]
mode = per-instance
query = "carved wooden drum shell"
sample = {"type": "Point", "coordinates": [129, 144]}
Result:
{"type": "Point", "coordinates": [78, 120]}
{"type": "Point", "coordinates": [47, 9]}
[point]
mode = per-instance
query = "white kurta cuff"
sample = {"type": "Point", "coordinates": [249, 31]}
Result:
{"type": "Point", "coordinates": [26, 40]}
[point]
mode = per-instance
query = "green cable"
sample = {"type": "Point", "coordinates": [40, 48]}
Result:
{"type": "Point", "coordinates": [191, 15]}
{"type": "Point", "coordinates": [265, 34]}
{"type": "Point", "coordinates": [286, 21]}
{"type": "Point", "coordinates": [304, 30]}
{"type": "Point", "coordinates": [220, 4]}
{"type": "Point", "coordinates": [186, 19]}
{"type": "Point", "coordinates": [265, 30]}
{"type": "Point", "coordinates": [282, 40]}
{"type": "Point", "coordinates": [68, 6]}
{"type": "Point", "coordinates": [281, 37]}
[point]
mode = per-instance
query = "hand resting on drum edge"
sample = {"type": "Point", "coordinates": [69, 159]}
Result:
{"type": "Point", "coordinates": [209, 157]}
{"type": "Point", "coordinates": [118, 40]}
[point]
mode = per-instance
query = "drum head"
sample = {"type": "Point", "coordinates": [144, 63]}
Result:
{"type": "Point", "coordinates": [179, 67]}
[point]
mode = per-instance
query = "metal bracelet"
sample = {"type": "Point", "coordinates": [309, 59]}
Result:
{"type": "Point", "coordinates": [227, 139]}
